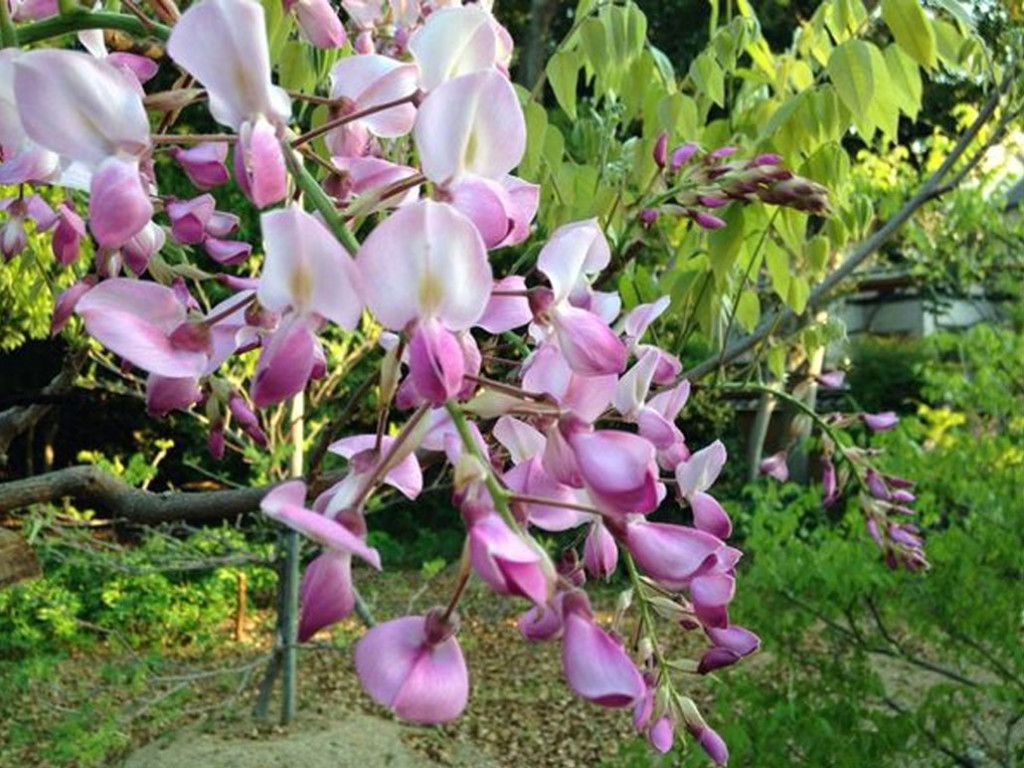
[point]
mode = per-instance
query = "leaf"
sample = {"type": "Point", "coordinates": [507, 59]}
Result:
{"type": "Point", "coordinates": [905, 78]}
{"type": "Point", "coordinates": [948, 41]}
{"type": "Point", "coordinates": [816, 252]}
{"type": "Point", "coordinates": [563, 73]}
{"type": "Point", "coordinates": [708, 78]}
{"type": "Point", "coordinates": [536, 126]}
{"type": "Point", "coordinates": [777, 261]}
{"type": "Point", "coordinates": [909, 26]}
{"type": "Point", "coordinates": [957, 10]}
{"type": "Point", "coordinates": [885, 107]}
{"type": "Point", "coordinates": [748, 310]}
{"type": "Point", "coordinates": [799, 291]}
{"type": "Point", "coordinates": [724, 244]}
{"type": "Point", "coordinates": [849, 66]}
{"type": "Point", "coordinates": [677, 114]}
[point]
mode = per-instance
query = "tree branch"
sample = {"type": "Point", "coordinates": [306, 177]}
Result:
{"type": "Point", "coordinates": [92, 485]}
{"type": "Point", "coordinates": [786, 321]}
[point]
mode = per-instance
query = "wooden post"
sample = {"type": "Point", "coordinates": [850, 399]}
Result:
{"type": "Point", "coordinates": [17, 560]}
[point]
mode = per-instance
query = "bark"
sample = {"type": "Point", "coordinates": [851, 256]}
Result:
{"type": "Point", "coordinates": [96, 487]}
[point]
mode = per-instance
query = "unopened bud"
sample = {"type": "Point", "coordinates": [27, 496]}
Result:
{"type": "Point", "coordinates": [660, 151]}
{"type": "Point", "coordinates": [468, 469]}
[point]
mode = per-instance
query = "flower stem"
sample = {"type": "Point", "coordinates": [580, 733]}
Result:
{"type": "Point", "coordinates": [330, 125]}
{"type": "Point", "coordinates": [8, 34]}
{"type": "Point", "coordinates": [320, 200]}
{"type": "Point", "coordinates": [80, 19]}
{"type": "Point", "coordinates": [498, 494]}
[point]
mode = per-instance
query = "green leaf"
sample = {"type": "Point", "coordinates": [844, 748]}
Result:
{"type": "Point", "coordinates": [707, 77]}
{"type": "Point", "coordinates": [948, 41]}
{"type": "Point", "coordinates": [724, 244]}
{"type": "Point", "coordinates": [816, 253]}
{"type": "Point", "coordinates": [909, 26]}
{"type": "Point", "coordinates": [850, 68]}
{"type": "Point", "coordinates": [905, 78]}
{"type": "Point", "coordinates": [677, 114]}
{"type": "Point", "coordinates": [536, 126]}
{"type": "Point", "coordinates": [957, 10]}
{"type": "Point", "coordinates": [777, 260]}
{"type": "Point", "coordinates": [563, 73]}
{"type": "Point", "coordinates": [748, 310]}
{"type": "Point", "coordinates": [885, 107]}
{"type": "Point", "coordinates": [799, 291]}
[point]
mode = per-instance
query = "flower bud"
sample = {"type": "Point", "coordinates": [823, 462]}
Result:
{"type": "Point", "coordinates": [660, 151]}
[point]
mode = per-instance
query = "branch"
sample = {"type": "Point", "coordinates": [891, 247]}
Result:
{"type": "Point", "coordinates": [786, 321]}
{"type": "Point", "coordinates": [92, 485]}
{"type": "Point", "coordinates": [18, 419]}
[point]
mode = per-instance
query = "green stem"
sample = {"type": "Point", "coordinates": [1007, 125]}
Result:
{"type": "Point", "coordinates": [8, 34]}
{"type": "Point", "coordinates": [498, 494]}
{"type": "Point", "coordinates": [645, 616]}
{"type": "Point", "coordinates": [815, 417]}
{"type": "Point", "coordinates": [320, 200]}
{"type": "Point", "coordinates": [79, 19]}
{"type": "Point", "coordinates": [66, 7]}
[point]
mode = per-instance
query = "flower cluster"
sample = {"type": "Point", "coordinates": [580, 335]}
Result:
{"type": "Point", "coordinates": [423, 131]}
{"type": "Point", "coordinates": [884, 499]}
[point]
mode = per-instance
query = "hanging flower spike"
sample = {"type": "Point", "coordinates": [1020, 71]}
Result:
{"type": "Point", "coordinates": [223, 44]}
{"type": "Point", "coordinates": [414, 667]}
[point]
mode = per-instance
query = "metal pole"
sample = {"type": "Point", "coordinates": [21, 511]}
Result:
{"type": "Point", "coordinates": [290, 585]}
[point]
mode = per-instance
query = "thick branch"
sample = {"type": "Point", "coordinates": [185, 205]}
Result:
{"type": "Point", "coordinates": [94, 486]}
{"type": "Point", "coordinates": [786, 321]}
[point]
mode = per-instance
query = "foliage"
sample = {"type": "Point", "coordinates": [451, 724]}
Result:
{"type": "Point", "coordinates": [865, 666]}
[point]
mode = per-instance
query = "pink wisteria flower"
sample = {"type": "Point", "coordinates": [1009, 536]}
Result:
{"type": "Point", "coordinates": [223, 44]}
{"type": "Point", "coordinates": [414, 666]}
{"type": "Point", "coordinates": [89, 112]}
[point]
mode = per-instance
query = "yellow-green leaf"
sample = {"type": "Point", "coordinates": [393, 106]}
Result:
{"type": "Point", "coordinates": [563, 72]}
{"type": "Point", "coordinates": [909, 26]}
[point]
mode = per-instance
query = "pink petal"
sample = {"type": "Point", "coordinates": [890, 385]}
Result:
{"type": "Point", "coordinates": [454, 42]}
{"type": "Point", "coordinates": [284, 503]}
{"type": "Point", "coordinates": [165, 394]}
{"type": "Point", "coordinates": [596, 667]}
{"type": "Point", "coordinates": [320, 24]}
{"type": "Point", "coordinates": [421, 682]}
{"type": "Point", "coordinates": [83, 108]}
{"type": "Point", "coordinates": [701, 470]}
{"type": "Point", "coordinates": [708, 515]}
{"type": "Point", "coordinates": [590, 347]}
{"type": "Point", "coordinates": [205, 163]}
{"type": "Point", "coordinates": [134, 319]}
{"type": "Point", "coordinates": [326, 593]}
{"type": "Point", "coordinates": [436, 362]}
{"type": "Point", "coordinates": [306, 269]}
{"type": "Point", "coordinates": [572, 252]}
{"type": "Point", "coordinates": [259, 162]}
{"type": "Point", "coordinates": [285, 364]}
{"type": "Point", "coordinates": [671, 554]}
{"type": "Point", "coordinates": [472, 124]}
{"type": "Point", "coordinates": [618, 468]}
{"type": "Point", "coordinates": [441, 261]}
{"type": "Point", "coordinates": [372, 80]}
{"type": "Point", "coordinates": [119, 206]}
{"type": "Point", "coordinates": [223, 44]}
{"type": "Point", "coordinates": [486, 204]}
{"type": "Point", "coordinates": [600, 552]}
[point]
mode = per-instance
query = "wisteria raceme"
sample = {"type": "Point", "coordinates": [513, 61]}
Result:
{"type": "Point", "coordinates": [424, 131]}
